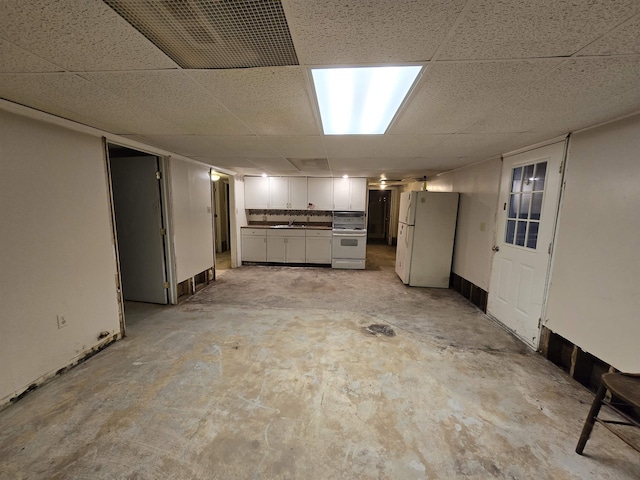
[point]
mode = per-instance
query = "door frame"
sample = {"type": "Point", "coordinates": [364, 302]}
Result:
{"type": "Point", "coordinates": [167, 218]}
{"type": "Point", "coordinates": [554, 229]}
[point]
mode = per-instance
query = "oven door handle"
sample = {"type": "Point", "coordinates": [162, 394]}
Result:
{"type": "Point", "coordinates": [349, 234]}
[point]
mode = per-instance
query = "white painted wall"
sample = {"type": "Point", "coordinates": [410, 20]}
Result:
{"type": "Point", "coordinates": [594, 298]}
{"type": "Point", "coordinates": [192, 218]}
{"type": "Point", "coordinates": [478, 186]}
{"type": "Point", "coordinates": [57, 255]}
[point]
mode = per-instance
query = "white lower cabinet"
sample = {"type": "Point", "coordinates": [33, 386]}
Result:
{"type": "Point", "coordinates": [318, 246]}
{"type": "Point", "coordinates": [254, 245]}
{"type": "Point", "coordinates": [286, 246]}
{"type": "Point", "coordinates": [277, 245]}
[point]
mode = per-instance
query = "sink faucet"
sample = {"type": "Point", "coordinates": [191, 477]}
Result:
{"type": "Point", "coordinates": [290, 221]}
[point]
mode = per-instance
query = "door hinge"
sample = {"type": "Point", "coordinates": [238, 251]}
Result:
{"type": "Point", "coordinates": [163, 231]}
{"type": "Point", "coordinates": [539, 322]}
{"type": "Point", "coordinates": [561, 166]}
{"type": "Point", "coordinates": [166, 284]}
{"type": "Point", "coordinates": [159, 175]}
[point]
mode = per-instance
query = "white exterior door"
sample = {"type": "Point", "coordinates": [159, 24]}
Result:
{"type": "Point", "coordinates": [529, 193]}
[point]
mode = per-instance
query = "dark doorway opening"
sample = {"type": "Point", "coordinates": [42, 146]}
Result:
{"type": "Point", "coordinates": [378, 230]}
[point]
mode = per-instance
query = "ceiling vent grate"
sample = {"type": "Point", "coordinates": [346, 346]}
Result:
{"type": "Point", "coordinates": [213, 33]}
{"type": "Point", "coordinates": [308, 164]}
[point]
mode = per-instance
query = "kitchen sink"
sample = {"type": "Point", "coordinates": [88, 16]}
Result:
{"type": "Point", "coordinates": [288, 226]}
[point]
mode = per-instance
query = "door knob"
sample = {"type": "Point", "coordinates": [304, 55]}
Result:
{"type": "Point", "coordinates": [495, 248]}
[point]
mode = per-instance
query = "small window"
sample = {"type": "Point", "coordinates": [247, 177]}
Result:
{"type": "Point", "coordinates": [525, 205]}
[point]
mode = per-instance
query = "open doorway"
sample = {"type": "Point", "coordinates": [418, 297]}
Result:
{"type": "Point", "coordinates": [379, 212]}
{"type": "Point", "coordinates": [222, 224]}
{"type": "Point", "coordinates": [140, 226]}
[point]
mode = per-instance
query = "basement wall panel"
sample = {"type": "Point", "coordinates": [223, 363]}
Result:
{"type": "Point", "coordinates": [192, 218]}
{"type": "Point", "coordinates": [478, 186]}
{"type": "Point", "coordinates": [57, 256]}
{"type": "Point", "coordinates": [593, 297]}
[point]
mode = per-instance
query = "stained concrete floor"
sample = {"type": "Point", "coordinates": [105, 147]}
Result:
{"type": "Point", "coordinates": [269, 373]}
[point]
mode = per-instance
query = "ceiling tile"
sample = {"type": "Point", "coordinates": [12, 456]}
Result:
{"type": "Point", "coordinates": [624, 39]}
{"type": "Point", "coordinates": [279, 166]}
{"type": "Point", "coordinates": [227, 163]}
{"type": "Point", "coordinates": [189, 145]}
{"type": "Point", "coordinates": [298, 147]}
{"type": "Point", "coordinates": [391, 167]}
{"type": "Point", "coordinates": [470, 145]}
{"type": "Point", "coordinates": [174, 96]}
{"type": "Point", "coordinates": [249, 147]}
{"type": "Point", "coordinates": [70, 96]}
{"type": "Point", "coordinates": [271, 101]}
{"type": "Point", "coordinates": [79, 35]}
{"type": "Point", "coordinates": [372, 146]}
{"type": "Point", "coordinates": [14, 59]}
{"type": "Point", "coordinates": [452, 95]}
{"type": "Point", "coordinates": [580, 93]}
{"type": "Point", "coordinates": [533, 28]}
{"type": "Point", "coordinates": [369, 31]}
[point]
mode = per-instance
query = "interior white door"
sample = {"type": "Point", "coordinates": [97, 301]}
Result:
{"type": "Point", "coordinates": [139, 226]}
{"type": "Point", "coordinates": [529, 193]}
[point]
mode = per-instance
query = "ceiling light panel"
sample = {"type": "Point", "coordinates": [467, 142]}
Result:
{"type": "Point", "coordinates": [212, 33]}
{"type": "Point", "coordinates": [361, 101]}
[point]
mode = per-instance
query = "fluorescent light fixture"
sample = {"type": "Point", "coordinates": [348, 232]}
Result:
{"type": "Point", "coordinates": [361, 100]}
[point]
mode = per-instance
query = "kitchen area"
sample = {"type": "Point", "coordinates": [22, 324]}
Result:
{"type": "Point", "coordinates": [322, 221]}
{"type": "Point", "coordinates": [306, 221]}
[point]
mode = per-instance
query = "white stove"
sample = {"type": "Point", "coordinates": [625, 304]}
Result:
{"type": "Point", "coordinates": [349, 242]}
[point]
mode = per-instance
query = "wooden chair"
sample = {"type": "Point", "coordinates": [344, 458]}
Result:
{"type": "Point", "coordinates": [623, 386]}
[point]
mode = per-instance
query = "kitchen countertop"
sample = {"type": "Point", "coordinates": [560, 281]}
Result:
{"type": "Point", "coordinates": [294, 226]}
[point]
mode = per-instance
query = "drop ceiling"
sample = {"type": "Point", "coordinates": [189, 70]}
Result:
{"type": "Point", "coordinates": [498, 76]}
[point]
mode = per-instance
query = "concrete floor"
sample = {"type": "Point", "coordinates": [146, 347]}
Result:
{"type": "Point", "coordinates": [223, 262]}
{"type": "Point", "coordinates": [270, 373]}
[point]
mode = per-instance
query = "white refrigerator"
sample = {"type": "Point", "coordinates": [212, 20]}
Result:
{"type": "Point", "coordinates": [426, 231]}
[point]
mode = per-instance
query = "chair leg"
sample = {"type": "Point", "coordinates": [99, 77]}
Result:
{"type": "Point", "coordinates": [591, 418]}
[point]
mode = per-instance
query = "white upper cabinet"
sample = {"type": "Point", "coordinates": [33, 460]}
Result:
{"type": "Point", "coordinates": [341, 188]}
{"type": "Point", "coordinates": [349, 194]}
{"type": "Point", "coordinates": [358, 194]}
{"type": "Point", "coordinates": [298, 193]}
{"type": "Point", "coordinates": [278, 193]}
{"type": "Point", "coordinates": [320, 193]}
{"type": "Point", "coordinates": [302, 193]}
{"type": "Point", "coordinates": [288, 193]}
{"type": "Point", "coordinates": [256, 192]}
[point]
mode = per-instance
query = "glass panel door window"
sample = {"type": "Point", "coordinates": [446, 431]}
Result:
{"type": "Point", "coordinates": [525, 205]}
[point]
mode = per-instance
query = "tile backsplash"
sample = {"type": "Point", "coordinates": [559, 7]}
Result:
{"type": "Point", "coordinates": [298, 216]}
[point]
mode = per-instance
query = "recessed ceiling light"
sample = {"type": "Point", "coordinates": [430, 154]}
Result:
{"type": "Point", "coordinates": [361, 100]}
{"type": "Point", "coordinates": [264, 174]}
{"type": "Point", "coordinates": [345, 176]}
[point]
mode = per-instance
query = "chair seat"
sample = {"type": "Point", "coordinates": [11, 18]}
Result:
{"type": "Point", "coordinates": [625, 387]}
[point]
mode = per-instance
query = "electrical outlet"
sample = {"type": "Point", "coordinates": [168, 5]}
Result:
{"type": "Point", "coordinates": [62, 321]}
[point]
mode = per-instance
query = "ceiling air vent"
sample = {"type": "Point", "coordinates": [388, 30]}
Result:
{"type": "Point", "coordinates": [213, 33]}
{"type": "Point", "coordinates": [308, 164]}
